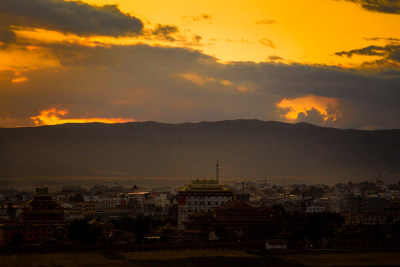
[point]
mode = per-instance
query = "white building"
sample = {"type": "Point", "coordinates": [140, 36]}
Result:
{"type": "Point", "coordinates": [200, 195]}
{"type": "Point", "coordinates": [105, 203]}
{"type": "Point", "coordinates": [276, 244]}
{"type": "Point", "coordinates": [91, 198]}
{"type": "Point", "coordinates": [314, 209]}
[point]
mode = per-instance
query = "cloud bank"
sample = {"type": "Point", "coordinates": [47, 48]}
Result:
{"type": "Point", "coordinates": [389, 54]}
{"type": "Point", "coordinates": [74, 17]}
{"type": "Point", "coordinates": [383, 6]}
{"type": "Point", "coordinates": [177, 85]}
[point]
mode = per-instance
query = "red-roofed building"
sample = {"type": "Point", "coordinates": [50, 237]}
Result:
{"type": "Point", "coordinates": [42, 219]}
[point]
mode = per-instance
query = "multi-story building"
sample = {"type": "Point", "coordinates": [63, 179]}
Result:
{"type": "Point", "coordinates": [200, 195]}
{"type": "Point", "coordinates": [41, 219]}
{"type": "Point", "coordinates": [96, 203]}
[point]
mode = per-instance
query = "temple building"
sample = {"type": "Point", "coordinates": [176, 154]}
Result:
{"type": "Point", "coordinates": [201, 196]}
{"type": "Point", "coordinates": [42, 209]}
{"type": "Point", "coordinates": [42, 219]}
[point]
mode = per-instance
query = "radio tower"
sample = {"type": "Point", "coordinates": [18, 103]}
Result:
{"type": "Point", "coordinates": [217, 170]}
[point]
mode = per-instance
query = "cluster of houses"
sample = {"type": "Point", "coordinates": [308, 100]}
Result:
{"type": "Point", "coordinates": [203, 208]}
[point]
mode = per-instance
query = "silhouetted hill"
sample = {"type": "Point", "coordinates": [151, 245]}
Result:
{"type": "Point", "coordinates": [245, 149]}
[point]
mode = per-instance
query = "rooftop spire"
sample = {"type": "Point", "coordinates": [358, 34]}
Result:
{"type": "Point", "coordinates": [217, 172]}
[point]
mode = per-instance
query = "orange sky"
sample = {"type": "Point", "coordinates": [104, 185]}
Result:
{"type": "Point", "coordinates": [302, 104]}
{"type": "Point", "coordinates": [54, 116]}
{"type": "Point", "coordinates": [290, 32]}
{"type": "Point", "coordinates": [303, 31]}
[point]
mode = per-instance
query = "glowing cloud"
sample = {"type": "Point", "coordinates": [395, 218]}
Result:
{"type": "Point", "coordinates": [267, 42]}
{"type": "Point", "coordinates": [296, 108]}
{"type": "Point", "coordinates": [201, 80]}
{"type": "Point", "coordinates": [243, 89]}
{"type": "Point", "coordinates": [197, 79]}
{"type": "Point", "coordinates": [19, 80]}
{"type": "Point", "coordinates": [53, 116]}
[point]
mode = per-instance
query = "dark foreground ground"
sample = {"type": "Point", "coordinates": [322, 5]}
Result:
{"type": "Point", "coordinates": [206, 258]}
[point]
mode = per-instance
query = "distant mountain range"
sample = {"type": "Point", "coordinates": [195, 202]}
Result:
{"type": "Point", "coordinates": [245, 149]}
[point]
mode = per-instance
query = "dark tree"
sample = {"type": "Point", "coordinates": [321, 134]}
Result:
{"type": "Point", "coordinates": [17, 239]}
{"type": "Point", "coordinates": [82, 231]}
{"type": "Point", "coordinates": [11, 211]}
{"type": "Point", "coordinates": [173, 211]}
{"type": "Point", "coordinates": [296, 191]}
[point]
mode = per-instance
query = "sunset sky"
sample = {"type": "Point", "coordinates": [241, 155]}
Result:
{"type": "Point", "coordinates": [332, 63]}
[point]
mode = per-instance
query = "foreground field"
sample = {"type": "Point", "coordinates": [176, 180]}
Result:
{"type": "Point", "coordinates": [345, 259]}
{"type": "Point", "coordinates": [203, 258]}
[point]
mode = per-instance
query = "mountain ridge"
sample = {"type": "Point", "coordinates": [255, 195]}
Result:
{"type": "Point", "coordinates": [245, 148]}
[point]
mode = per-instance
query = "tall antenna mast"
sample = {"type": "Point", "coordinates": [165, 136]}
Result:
{"type": "Point", "coordinates": [217, 172]}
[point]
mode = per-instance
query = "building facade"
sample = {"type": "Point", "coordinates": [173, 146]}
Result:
{"type": "Point", "coordinates": [42, 219]}
{"type": "Point", "coordinates": [200, 195]}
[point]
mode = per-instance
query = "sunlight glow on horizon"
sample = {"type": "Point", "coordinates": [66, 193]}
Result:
{"type": "Point", "coordinates": [54, 116]}
{"type": "Point", "coordinates": [290, 108]}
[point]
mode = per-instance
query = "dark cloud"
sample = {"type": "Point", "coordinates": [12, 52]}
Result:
{"type": "Point", "coordinates": [389, 53]}
{"type": "Point", "coordinates": [274, 57]}
{"type": "Point", "coordinates": [7, 36]}
{"type": "Point", "coordinates": [311, 116]}
{"type": "Point", "coordinates": [266, 21]}
{"type": "Point", "coordinates": [242, 40]}
{"type": "Point", "coordinates": [6, 77]}
{"type": "Point", "coordinates": [199, 17]}
{"type": "Point", "coordinates": [372, 50]}
{"type": "Point", "coordinates": [267, 42]}
{"type": "Point", "coordinates": [382, 39]}
{"type": "Point", "coordinates": [383, 6]}
{"type": "Point", "coordinates": [197, 38]}
{"type": "Point", "coordinates": [146, 83]}
{"type": "Point", "coordinates": [314, 116]}
{"type": "Point", "coordinates": [165, 32]}
{"type": "Point", "coordinates": [69, 17]}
